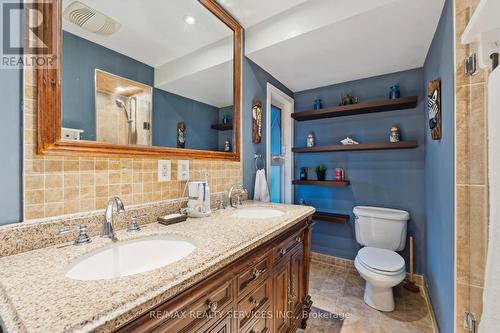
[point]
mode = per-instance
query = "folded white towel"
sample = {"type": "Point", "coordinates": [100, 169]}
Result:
{"type": "Point", "coordinates": [261, 191]}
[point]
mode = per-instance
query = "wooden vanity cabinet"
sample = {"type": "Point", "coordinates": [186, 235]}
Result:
{"type": "Point", "coordinates": [264, 291]}
{"type": "Point", "coordinates": [281, 279]}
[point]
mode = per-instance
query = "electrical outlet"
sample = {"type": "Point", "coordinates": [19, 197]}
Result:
{"type": "Point", "coordinates": [183, 170]}
{"type": "Point", "coordinates": [164, 170]}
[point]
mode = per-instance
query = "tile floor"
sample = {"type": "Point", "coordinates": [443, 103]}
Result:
{"type": "Point", "coordinates": [338, 306]}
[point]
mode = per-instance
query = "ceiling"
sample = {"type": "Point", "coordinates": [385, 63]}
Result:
{"type": "Point", "coordinates": [251, 12]}
{"type": "Point", "coordinates": [154, 31]}
{"type": "Point", "coordinates": [303, 43]}
{"type": "Point", "coordinates": [333, 41]}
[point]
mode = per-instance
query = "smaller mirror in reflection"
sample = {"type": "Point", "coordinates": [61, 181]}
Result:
{"type": "Point", "coordinates": [123, 110]}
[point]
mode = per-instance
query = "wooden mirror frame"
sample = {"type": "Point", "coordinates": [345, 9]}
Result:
{"type": "Point", "coordinates": [49, 100]}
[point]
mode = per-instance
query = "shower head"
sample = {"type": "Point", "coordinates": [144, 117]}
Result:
{"type": "Point", "coordinates": [119, 102]}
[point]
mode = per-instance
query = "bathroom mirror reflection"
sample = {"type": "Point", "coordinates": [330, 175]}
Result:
{"type": "Point", "coordinates": [149, 73]}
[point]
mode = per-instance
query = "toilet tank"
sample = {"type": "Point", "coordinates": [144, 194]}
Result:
{"type": "Point", "coordinates": [381, 227]}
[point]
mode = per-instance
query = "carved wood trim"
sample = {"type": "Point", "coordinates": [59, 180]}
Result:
{"type": "Point", "coordinates": [49, 101]}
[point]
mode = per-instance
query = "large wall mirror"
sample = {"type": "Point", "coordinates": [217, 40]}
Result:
{"type": "Point", "coordinates": [150, 77]}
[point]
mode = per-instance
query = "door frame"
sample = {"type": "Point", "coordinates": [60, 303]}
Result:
{"type": "Point", "coordinates": [286, 103]}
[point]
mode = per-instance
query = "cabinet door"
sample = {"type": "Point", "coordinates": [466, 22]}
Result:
{"type": "Point", "coordinates": [281, 289]}
{"type": "Point", "coordinates": [225, 325]}
{"type": "Point", "coordinates": [296, 282]}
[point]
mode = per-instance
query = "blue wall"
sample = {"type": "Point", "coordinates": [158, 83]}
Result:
{"type": "Point", "coordinates": [79, 62]}
{"type": "Point", "coordinates": [11, 93]}
{"type": "Point", "coordinates": [169, 109]}
{"type": "Point", "coordinates": [254, 87]}
{"type": "Point", "coordinates": [393, 178]}
{"type": "Point", "coordinates": [439, 181]}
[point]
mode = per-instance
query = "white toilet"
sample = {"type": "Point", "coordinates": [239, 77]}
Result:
{"type": "Point", "coordinates": [381, 231]}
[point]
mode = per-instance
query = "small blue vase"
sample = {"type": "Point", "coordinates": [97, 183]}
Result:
{"type": "Point", "coordinates": [317, 104]}
{"type": "Point", "coordinates": [395, 93]}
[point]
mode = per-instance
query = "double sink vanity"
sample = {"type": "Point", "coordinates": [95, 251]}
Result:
{"type": "Point", "coordinates": [238, 270]}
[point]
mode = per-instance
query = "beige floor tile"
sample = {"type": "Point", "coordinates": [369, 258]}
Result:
{"type": "Point", "coordinates": [338, 293]}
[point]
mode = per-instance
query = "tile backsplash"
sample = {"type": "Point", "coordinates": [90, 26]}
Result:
{"type": "Point", "coordinates": [56, 186]}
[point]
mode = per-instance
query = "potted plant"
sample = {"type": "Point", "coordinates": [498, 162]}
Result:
{"type": "Point", "coordinates": [321, 172]}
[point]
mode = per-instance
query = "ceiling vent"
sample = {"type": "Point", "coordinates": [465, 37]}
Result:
{"type": "Point", "coordinates": [90, 19]}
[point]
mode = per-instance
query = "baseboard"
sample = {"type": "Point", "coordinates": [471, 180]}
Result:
{"type": "Point", "coordinates": [347, 263]}
{"type": "Point", "coordinates": [425, 291]}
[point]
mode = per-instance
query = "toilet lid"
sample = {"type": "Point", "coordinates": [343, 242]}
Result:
{"type": "Point", "coordinates": [381, 259]}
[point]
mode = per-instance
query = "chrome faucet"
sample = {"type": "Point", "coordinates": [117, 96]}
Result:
{"type": "Point", "coordinates": [108, 230]}
{"type": "Point", "coordinates": [242, 190]}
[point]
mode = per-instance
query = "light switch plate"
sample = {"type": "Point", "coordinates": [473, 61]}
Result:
{"type": "Point", "coordinates": [164, 170]}
{"type": "Point", "coordinates": [183, 170]}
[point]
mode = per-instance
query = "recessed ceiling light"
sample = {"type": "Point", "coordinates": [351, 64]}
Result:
{"type": "Point", "coordinates": [190, 20]}
{"type": "Point", "coordinates": [120, 89]}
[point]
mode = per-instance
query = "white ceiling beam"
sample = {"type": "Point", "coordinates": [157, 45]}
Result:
{"type": "Point", "coordinates": [306, 17]}
{"type": "Point", "coordinates": [207, 57]}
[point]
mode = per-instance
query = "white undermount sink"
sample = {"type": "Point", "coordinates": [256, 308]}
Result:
{"type": "Point", "coordinates": [130, 257]}
{"type": "Point", "coordinates": [258, 213]}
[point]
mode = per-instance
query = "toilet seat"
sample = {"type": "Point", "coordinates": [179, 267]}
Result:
{"type": "Point", "coordinates": [381, 261]}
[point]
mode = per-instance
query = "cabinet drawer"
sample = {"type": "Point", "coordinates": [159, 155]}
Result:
{"type": "Point", "coordinates": [252, 276]}
{"type": "Point", "coordinates": [187, 315]}
{"type": "Point", "coordinates": [254, 304]}
{"type": "Point", "coordinates": [287, 246]}
{"type": "Point", "coordinates": [225, 325]}
{"type": "Point", "coordinates": [261, 325]}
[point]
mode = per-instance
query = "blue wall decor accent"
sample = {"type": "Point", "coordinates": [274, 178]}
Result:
{"type": "Point", "coordinates": [440, 178]}
{"type": "Point", "coordinates": [169, 109]}
{"type": "Point", "coordinates": [255, 81]}
{"type": "Point", "coordinates": [390, 178]}
{"type": "Point", "coordinates": [11, 94]}
{"type": "Point", "coordinates": [79, 62]}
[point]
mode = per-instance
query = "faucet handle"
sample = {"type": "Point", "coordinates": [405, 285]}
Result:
{"type": "Point", "coordinates": [220, 203]}
{"type": "Point", "coordinates": [243, 192]}
{"type": "Point", "coordinates": [82, 239]}
{"type": "Point", "coordinates": [133, 226]}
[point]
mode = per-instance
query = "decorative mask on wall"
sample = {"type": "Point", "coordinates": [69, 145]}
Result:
{"type": "Point", "coordinates": [256, 121]}
{"type": "Point", "coordinates": [434, 108]}
{"type": "Point", "coordinates": [181, 135]}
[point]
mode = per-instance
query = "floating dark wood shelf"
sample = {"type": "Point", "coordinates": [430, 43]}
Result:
{"type": "Point", "coordinates": [332, 217]}
{"type": "Point", "coordinates": [328, 183]}
{"type": "Point", "coordinates": [362, 146]}
{"type": "Point", "coordinates": [360, 108]}
{"type": "Point", "coordinates": [222, 127]}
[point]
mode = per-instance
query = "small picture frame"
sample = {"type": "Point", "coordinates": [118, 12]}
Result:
{"type": "Point", "coordinates": [256, 122]}
{"type": "Point", "coordinates": [181, 135]}
{"type": "Point", "coordinates": [434, 108]}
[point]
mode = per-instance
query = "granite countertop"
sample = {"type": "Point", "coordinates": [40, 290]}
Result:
{"type": "Point", "coordinates": [35, 295]}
